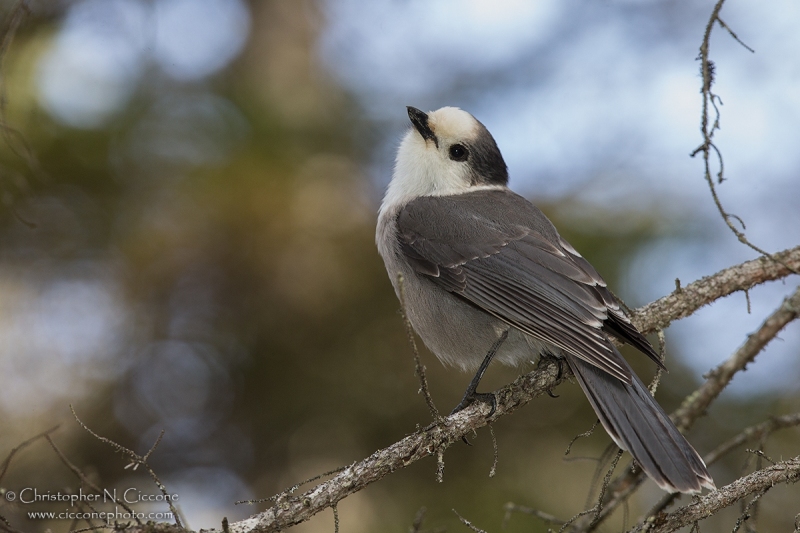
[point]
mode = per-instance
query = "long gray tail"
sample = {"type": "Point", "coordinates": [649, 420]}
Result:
{"type": "Point", "coordinates": [637, 423]}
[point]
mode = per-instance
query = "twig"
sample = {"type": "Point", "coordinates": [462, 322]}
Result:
{"type": "Point", "coordinates": [85, 480]}
{"type": "Point", "coordinates": [291, 489]}
{"type": "Point", "coordinates": [22, 446]}
{"type": "Point", "coordinates": [513, 507]}
{"type": "Point", "coordinates": [6, 526]}
{"type": "Point", "coordinates": [427, 442]}
{"type": "Point", "coordinates": [92, 528]}
{"type": "Point", "coordinates": [680, 304]}
{"type": "Point", "coordinates": [604, 487]}
{"type": "Point", "coordinates": [662, 355]}
{"type": "Point", "coordinates": [758, 431]}
{"type": "Point", "coordinates": [587, 433]}
{"type": "Point", "coordinates": [697, 403]}
{"type": "Point", "coordinates": [705, 506]}
{"type": "Point", "coordinates": [154, 446]}
{"type": "Point", "coordinates": [440, 462]}
{"type": "Point", "coordinates": [569, 522]}
{"type": "Point", "coordinates": [419, 367]}
{"type": "Point", "coordinates": [138, 460]}
{"type": "Point", "coordinates": [736, 37]}
{"type": "Point", "coordinates": [493, 470]}
{"type": "Point", "coordinates": [746, 513]}
{"type": "Point", "coordinates": [760, 454]}
{"type": "Point", "coordinates": [468, 523]}
{"type": "Point", "coordinates": [707, 72]}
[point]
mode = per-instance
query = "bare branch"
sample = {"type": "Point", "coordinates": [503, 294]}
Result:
{"type": "Point", "coordinates": [598, 507]}
{"type": "Point", "coordinates": [587, 433]}
{"type": "Point", "coordinates": [718, 378]}
{"type": "Point", "coordinates": [703, 507]}
{"type": "Point", "coordinates": [291, 489]}
{"type": "Point", "coordinates": [6, 526]}
{"type": "Point", "coordinates": [85, 480]}
{"type": "Point", "coordinates": [420, 368]}
{"type": "Point", "coordinates": [423, 443]}
{"type": "Point", "coordinates": [707, 73]}
{"type": "Point", "coordinates": [662, 355]}
{"type": "Point", "coordinates": [137, 460]}
{"type": "Point", "coordinates": [7, 461]}
{"type": "Point", "coordinates": [747, 514]}
{"type": "Point", "coordinates": [760, 431]}
{"type": "Point", "coordinates": [513, 507]}
{"type": "Point", "coordinates": [432, 440]}
{"type": "Point", "coordinates": [468, 523]}
{"type": "Point", "coordinates": [696, 403]}
{"type": "Point", "coordinates": [687, 300]}
{"type": "Point", "coordinates": [753, 432]}
{"type": "Point", "coordinates": [736, 37]}
{"type": "Point", "coordinates": [493, 470]}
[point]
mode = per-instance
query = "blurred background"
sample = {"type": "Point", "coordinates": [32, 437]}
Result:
{"type": "Point", "coordinates": [189, 195]}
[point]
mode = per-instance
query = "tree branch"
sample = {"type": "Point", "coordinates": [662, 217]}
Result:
{"type": "Point", "coordinates": [696, 403]}
{"type": "Point", "coordinates": [435, 439]}
{"type": "Point", "coordinates": [686, 300]}
{"type": "Point", "coordinates": [289, 511]}
{"type": "Point", "coordinates": [21, 446]}
{"type": "Point", "coordinates": [426, 442]}
{"type": "Point", "coordinates": [703, 507]}
{"type": "Point", "coordinates": [758, 431]}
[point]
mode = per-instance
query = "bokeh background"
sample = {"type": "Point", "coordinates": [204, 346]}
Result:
{"type": "Point", "coordinates": [189, 195]}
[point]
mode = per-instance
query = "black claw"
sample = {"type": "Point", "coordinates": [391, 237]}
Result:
{"type": "Point", "coordinates": [471, 397]}
{"type": "Point", "coordinates": [552, 394]}
{"type": "Point", "coordinates": [560, 373]}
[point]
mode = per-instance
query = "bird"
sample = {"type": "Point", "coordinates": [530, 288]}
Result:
{"type": "Point", "coordinates": [484, 275]}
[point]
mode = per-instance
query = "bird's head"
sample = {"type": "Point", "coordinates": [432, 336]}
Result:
{"type": "Point", "coordinates": [447, 151]}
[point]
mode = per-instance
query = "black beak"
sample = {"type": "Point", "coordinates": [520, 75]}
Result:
{"type": "Point", "coordinates": [420, 121]}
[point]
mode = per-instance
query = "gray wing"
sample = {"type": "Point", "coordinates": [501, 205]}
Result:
{"type": "Point", "coordinates": [496, 250]}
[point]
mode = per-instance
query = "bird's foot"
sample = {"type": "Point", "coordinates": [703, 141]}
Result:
{"type": "Point", "coordinates": [547, 357]}
{"type": "Point", "coordinates": [471, 397]}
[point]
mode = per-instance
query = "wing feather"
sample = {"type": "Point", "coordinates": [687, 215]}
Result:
{"type": "Point", "coordinates": [499, 252]}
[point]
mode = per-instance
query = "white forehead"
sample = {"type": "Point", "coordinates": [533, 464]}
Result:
{"type": "Point", "coordinates": [452, 122]}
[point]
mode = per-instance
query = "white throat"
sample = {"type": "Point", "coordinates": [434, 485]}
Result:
{"type": "Point", "coordinates": [422, 170]}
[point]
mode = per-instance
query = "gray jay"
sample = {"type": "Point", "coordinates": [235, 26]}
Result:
{"type": "Point", "coordinates": [486, 275]}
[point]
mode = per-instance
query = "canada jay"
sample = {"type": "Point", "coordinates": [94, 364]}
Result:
{"type": "Point", "coordinates": [487, 274]}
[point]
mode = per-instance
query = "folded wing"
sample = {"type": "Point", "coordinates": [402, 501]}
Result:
{"type": "Point", "coordinates": [496, 250]}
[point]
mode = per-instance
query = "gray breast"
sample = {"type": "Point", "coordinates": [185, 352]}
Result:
{"type": "Point", "coordinates": [457, 332]}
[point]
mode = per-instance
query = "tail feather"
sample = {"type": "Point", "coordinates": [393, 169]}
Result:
{"type": "Point", "coordinates": [638, 424]}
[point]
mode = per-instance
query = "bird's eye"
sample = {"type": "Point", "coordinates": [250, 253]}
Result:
{"type": "Point", "coordinates": [458, 152]}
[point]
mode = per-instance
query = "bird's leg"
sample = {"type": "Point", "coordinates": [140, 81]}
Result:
{"type": "Point", "coordinates": [471, 395]}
